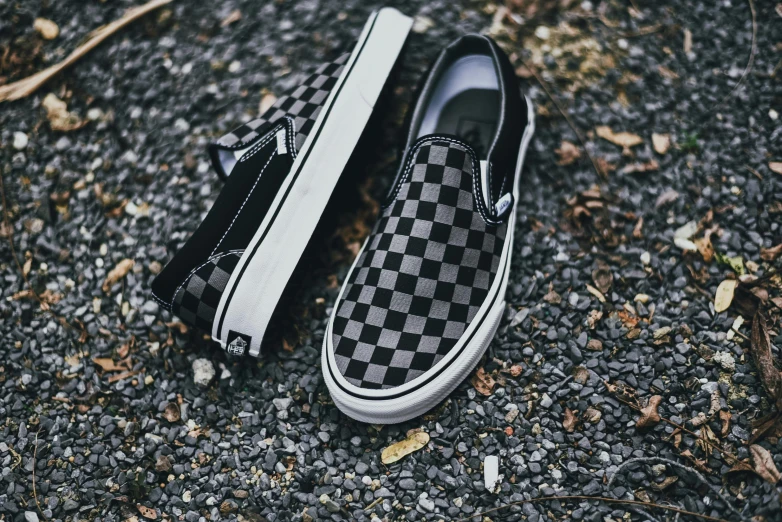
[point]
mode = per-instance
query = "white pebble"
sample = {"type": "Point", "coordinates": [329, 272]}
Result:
{"type": "Point", "coordinates": [20, 140]}
{"type": "Point", "coordinates": [543, 32]}
{"type": "Point", "coordinates": [203, 372]}
{"type": "Point", "coordinates": [491, 472]}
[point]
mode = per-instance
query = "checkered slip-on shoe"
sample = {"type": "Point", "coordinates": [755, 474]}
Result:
{"type": "Point", "coordinates": [425, 295]}
{"type": "Point", "coordinates": [280, 170]}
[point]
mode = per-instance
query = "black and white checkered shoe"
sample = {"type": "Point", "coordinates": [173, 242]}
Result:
{"type": "Point", "coordinates": [280, 170]}
{"type": "Point", "coordinates": [425, 295]}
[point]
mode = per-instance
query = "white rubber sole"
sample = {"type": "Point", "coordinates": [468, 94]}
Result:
{"type": "Point", "coordinates": [259, 279]}
{"type": "Point", "coordinates": [423, 393]}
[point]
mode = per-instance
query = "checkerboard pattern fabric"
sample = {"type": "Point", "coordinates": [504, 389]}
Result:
{"type": "Point", "coordinates": [302, 104]}
{"type": "Point", "coordinates": [426, 269]}
{"type": "Point", "coordinates": [195, 302]}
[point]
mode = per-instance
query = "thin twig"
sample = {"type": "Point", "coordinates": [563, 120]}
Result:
{"type": "Point", "coordinates": [602, 499]}
{"type": "Point", "coordinates": [35, 495]}
{"type": "Point", "coordinates": [564, 113]}
{"type": "Point", "coordinates": [673, 463]}
{"type": "Point", "coordinates": [25, 87]}
{"type": "Point", "coordinates": [752, 52]}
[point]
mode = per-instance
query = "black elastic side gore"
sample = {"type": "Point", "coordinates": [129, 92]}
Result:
{"type": "Point", "coordinates": [235, 216]}
{"type": "Point", "coordinates": [504, 152]}
{"type": "Point", "coordinates": [213, 149]}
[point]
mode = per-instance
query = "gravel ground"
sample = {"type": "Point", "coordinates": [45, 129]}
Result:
{"type": "Point", "coordinates": [261, 440]}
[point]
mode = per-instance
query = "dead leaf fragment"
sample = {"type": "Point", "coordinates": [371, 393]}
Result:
{"type": "Point", "coordinates": [597, 293]}
{"type": "Point", "coordinates": [725, 420]}
{"type": "Point", "coordinates": [233, 17]}
{"type": "Point", "coordinates": [267, 100]}
{"type": "Point", "coordinates": [687, 41]}
{"type": "Point", "coordinates": [764, 464]}
{"type": "Point", "coordinates": [770, 254]}
{"type": "Point", "coordinates": [595, 345]}
{"type": "Point", "coordinates": [635, 168]}
{"type": "Point", "coordinates": [623, 139]}
{"type": "Point", "coordinates": [147, 512]}
{"type": "Point", "coordinates": [405, 447]}
{"type": "Point", "coordinates": [775, 166]}
{"type": "Point", "coordinates": [569, 423]}
{"type": "Point", "coordinates": [649, 415]}
{"type": "Point", "coordinates": [107, 364]}
{"type": "Point", "coordinates": [603, 279]}
{"type": "Point", "coordinates": [117, 273]}
{"type": "Point", "coordinates": [172, 412]}
{"type": "Point", "coordinates": [661, 142]}
{"type": "Point", "coordinates": [724, 295]}
{"type": "Point", "coordinates": [552, 296]}
{"type": "Point", "coordinates": [482, 382]}
{"type": "Point", "coordinates": [59, 117]}
{"type": "Point", "coordinates": [163, 464]}
{"type": "Point", "coordinates": [568, 153]}
{"type": "Point", "coordinates": [669, 196]}
{"type": "Point", "coordinates": [761, 352]}
{"type": "Point", "coordinates": [667, 481]}
{"type": "Point", "coordinates": [46, 28]}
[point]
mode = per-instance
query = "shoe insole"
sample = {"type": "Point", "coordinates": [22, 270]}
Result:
{"type": "Point", "coordinates": [465, 102]}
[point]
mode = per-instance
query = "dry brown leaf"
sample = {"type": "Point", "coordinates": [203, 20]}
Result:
{"type": "Point", "coordinates": [117, 273]}
{"type": "Point", "coordinates": [761, 353]}
{"type": "Point", "coordinates": [775, 166]}
{"type": "Point", "coordinates": [665, 72]}
{"type": "Point", "coordinates": [172, 413]}
{"type": "Point", "coordinates": [552, 296]}
{"type": "Point", "coordinates": [764, 464]}
{"type": "Point", "coordinates": [107, 364]}
{"type": "Point", "coordinates": [580, 375]}
{"type": "Point", "coordinates": [122, 376]}
{"type": "Point", "coordinates": [635, 168]}
{"type": "Point", "coordinates": [569, 423]}
{"type": "Point", "coordinates": [638, 228]}
{"type": "Point", "coordinates": [705, 247]}
{"type": "Point", "coordinates": [699, 464]}
{"type": "Point", "coordinates": [725, 420]}
{"type": "Point", "coordinates": [162, 464]}
{"type": "Point", "coordinates": [603, 279]}
{"type": "Point", "coordinates": [667, 481]}
{"type": "Point", "coordinates": [687, 41]}
{"type": "Point", "coordinates": [623, 139]}
{"type": "Point", "coordinates": [233, 17]}
{"type": "Point", "coordinates": [46, 28]}
{"type": "Point", "coordinates": [770, 254]}
{"type": "Point", "coordinates": [669, 196]}
{"type": "Point", "coordinates": [595, 292]}
{"type": "Point", "coordinates": [595, 345]}
{"type": "Point", "coordinates": [592, 415]}
{"type": "Point", "coordinates": [482, 382]}
{"type": "Point", "coordinates": [267, 100]}
{"type": "Point", "coordinates": [405, 447]}
{"type": "Point", "coordinates": [568, 153]}
{"type": "Point", "coordinates": [724, 295]}
{"type": "Point", "coordinates": [661, 142]}
{"type": "Point", "coordinates": [649, 415]}
{"type": "Point", "coordinates": [59, 117]}
{"type": "Point", "coordinates": [147, 512]}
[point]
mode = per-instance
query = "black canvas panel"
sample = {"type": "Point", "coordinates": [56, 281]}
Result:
{"type": "Point", "coordinates": [235, 216]}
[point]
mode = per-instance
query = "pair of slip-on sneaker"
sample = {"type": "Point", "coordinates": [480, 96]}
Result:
{"type": "Point", "coordinates": [426, 293]}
